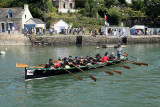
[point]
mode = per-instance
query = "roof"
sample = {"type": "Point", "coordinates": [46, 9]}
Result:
{"type": "Point", "coordinates": [138, 27]}
{"type": "Point", "coordinates": [54, 23]}
{"type": "Point", "coordinates": [37, 21]}
{"type": "Point", "coordinates": [16, 12]}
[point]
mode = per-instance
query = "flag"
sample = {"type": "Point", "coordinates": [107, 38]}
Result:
{"type": "Point", "coordinates": [106, 17]}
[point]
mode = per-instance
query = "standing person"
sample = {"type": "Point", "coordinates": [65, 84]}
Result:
{"type": "Point", "coordinates": [40, 32]}
{"type": "Point", "coordinates": [105, 57]}
{"type": "Point", "coordinates": [119, 52]}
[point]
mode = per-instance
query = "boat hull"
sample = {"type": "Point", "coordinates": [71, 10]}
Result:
{"type": "Point", "coordinates": [31, 72]}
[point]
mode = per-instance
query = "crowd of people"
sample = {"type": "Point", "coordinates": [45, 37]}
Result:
{"type": "Point", "coordinates": [81, 61]}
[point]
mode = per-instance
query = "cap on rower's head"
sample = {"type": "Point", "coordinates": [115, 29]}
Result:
{"type": "Point", "coordinates": [76, 57]}
{"type": "Point", "coordinates": [97, 55]}
{"type": "Point", "coordinates": [59, 59]}
{"type": "Point", "coordinates": [50, 59]}
{"type": "Point", "coordinates": [65, 58]}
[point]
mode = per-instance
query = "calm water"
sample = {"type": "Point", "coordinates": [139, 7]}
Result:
{"type": "Point", "coordinates": [137, 87]}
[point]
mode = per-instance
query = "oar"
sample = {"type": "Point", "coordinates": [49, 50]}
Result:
{"type": "Point", "coordinates": [119, 72]}
{"type": "Point", "coordinates": [136, 63]}
{"type": "Point", "coordinates": [93, 78]}
{"type": "Point", "coordinates": [100, 69]}
{"type": "Point", "coordinates": [24, 65]}
{"type": "Point", "coordinates": [139, 63]}
{"type": "Point", "coordinates": [127, 67]}
{"type": "Point", "coordinates": [73, 74]}
{"type": "Point", "coordinates": [131, 56]}
{"type": "Point", "coordinates": [21, 65]}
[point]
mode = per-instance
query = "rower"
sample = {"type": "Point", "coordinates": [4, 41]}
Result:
{"type": "Point", "coordinates": [97, 58]}
{"type": "Point", "coordinates": [64, 63]}
{"type": "Point", "coordinates": [49, 64]}
{"type": "Point", "coordinates": [112, 57]}
{"type": "Point", "coordinates": [105, 57]}
{"type": "Point", "coordinates": [58, 64]}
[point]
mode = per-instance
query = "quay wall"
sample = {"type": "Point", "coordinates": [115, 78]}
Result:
{"type": "Point", "coordinates": [14, 40]}
{"type": "Point", "coordinates": [72, 40]}
{"type": "Point", "coordinates": [98, 40]}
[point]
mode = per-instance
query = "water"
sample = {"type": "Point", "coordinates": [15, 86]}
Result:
{"type": "Point", "coordinates": [137, 87]}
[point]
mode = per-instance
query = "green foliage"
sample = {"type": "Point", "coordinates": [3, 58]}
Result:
{"type": "Point", "coordinates": [114, 16]}
{"type": "Point", "coordinates": [138, 5]}
{"type": "Point", "coordinates": [152, 8]}
{"type": "Point", "coordinates": [109, 3]}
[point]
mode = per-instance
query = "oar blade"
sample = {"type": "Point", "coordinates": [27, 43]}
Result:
{"type": "Point", "coordinates": [135, 63]}
{"type": "Point", "coordinates": [21, 65]}
{"type": "Point", "coordinates": [119, 72]}
{"type": "Point", "coordinates": [127, 67]}
{"type": "Point", "coordinates": [144, 64]}
{"type": "Point", "coordinates": [108, 72]}
{"type": "Point", "coordinates": [93, 78]}
{"type": "Point", "coordinates": [42, 65]}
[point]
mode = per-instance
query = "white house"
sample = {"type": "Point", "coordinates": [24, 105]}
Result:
{"type": "Point", "coordinates": [59, 26]}
{"type": "Point", "coordinates": [36, 24]}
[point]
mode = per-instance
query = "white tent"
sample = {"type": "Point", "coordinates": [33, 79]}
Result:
{"type": "Point", "coordinates": [59, 26]}
{"type": "Point", "coordinates": [138, 27]}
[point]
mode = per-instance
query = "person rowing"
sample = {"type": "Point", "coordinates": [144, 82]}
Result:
{"type": "Point", "coordinates": [58, 64]}
{"type": "Point", "coordinates": [97, 58]}
{"type": "Point", "coordinates": [49, 64]}
{"type": "Point", "coordinates": [112, 57]}
{"type": "Point", "coordinates": [105, 58]}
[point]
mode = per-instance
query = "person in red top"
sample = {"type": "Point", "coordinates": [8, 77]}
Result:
{"type": "Point", "coordinates": [105, 57]}
{"type": "Point", "coordinates": [58, 64]}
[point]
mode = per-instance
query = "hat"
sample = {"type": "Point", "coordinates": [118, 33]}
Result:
{"type": "Point", "coordinates": [76, 57]}
{"type": "Point", "coordinates": [59, 59]}
{"type": "Point", "coordinates": [50, 59]}
{"type": "Point", "coordinates": [112, 53]}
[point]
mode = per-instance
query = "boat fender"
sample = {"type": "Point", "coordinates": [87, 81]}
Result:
{"type": "Point", "coordinates": [67, 66]}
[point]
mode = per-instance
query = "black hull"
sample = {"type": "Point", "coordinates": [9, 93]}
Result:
{"type": "Point", "coordinates": [31, 73]}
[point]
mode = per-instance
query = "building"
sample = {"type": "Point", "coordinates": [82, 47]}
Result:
{"type": "Point", "coordinates": [59, 26]}
{"type": "Point", "coordinates": [35, 25]}
{"type": "Point", "coordinates": [13, 20]}
{"type": "Point", "coordinates": [64, 5]}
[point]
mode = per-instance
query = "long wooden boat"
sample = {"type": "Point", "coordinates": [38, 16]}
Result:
{"type": "Point", "coordinates": [35, 72]}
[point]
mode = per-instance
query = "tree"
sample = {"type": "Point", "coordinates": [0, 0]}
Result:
{"type": "Point", "coordinates": [109, 3]}
{"type": "Point", "coordinates": [152, 8]}
{"type": "Point", "coordinates": [114, 16]}
{"type": "Point", "coordinates": [138, 5]}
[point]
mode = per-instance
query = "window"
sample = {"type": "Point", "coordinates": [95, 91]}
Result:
{"type": "Point", "coordinates": [9, 14]}
{"type": "Point", "coordinates": [64, 5]}
{"type": "Point", "coordinates": [71, 5]}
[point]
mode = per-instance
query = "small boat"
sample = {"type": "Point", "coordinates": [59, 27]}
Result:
{"type": "Point", "coordinates": [2, 53]}
{"type": "Point", "coordinates": [41, 72]}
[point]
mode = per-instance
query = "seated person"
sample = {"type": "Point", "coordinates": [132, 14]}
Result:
{"type": "Point", "coordinates": [49, 64]}
{"type": "Point", "coordinates": [58, 64]}
{"type": "Point", "coordinates": [105, 58]}
{"type": "Point", "coordinates": [97, 58]}
{"type": "Point", "coordinates": [64, 63]}
{"type": "Point", "coordinates": [112, 57]}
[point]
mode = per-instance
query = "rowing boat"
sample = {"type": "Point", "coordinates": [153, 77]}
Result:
{"type": "Point", "coordinates": [40, 72]}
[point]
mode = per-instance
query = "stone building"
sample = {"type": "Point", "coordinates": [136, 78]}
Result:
{"type": "Point", "coordinates": [64, 5]}
{"type": "Point", "coordinates": [12, 20]}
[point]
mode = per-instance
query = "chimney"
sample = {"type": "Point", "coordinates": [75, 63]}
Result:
{"type": "Point", "coordinates": [25, 6]}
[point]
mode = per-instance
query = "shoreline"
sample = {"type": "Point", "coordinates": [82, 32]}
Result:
{"type": "Point", "coordinates": [73, 40]}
